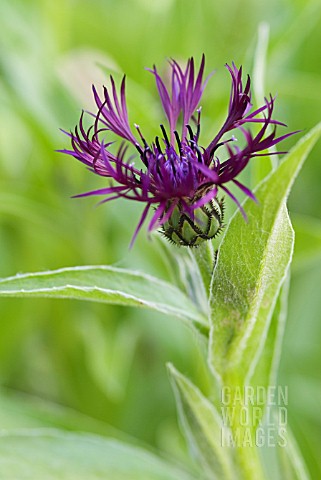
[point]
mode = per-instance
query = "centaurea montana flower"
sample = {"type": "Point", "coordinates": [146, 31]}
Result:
{"type": "Point", "coordinates": [179, 178]}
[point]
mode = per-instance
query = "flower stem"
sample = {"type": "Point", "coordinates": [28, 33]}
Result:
{"type": "Point", "coordinates": [249, 463]}
{"type": "Point", "coordinates": [243, 431]}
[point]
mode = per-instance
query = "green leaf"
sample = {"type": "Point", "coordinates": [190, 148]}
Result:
{"type": "Point", "coordinates": [190, 271]}
{"type": "Point", "coordinates": [51, 454]}
{"type": "Point", "coordinates": [283, 460]}
{"type": "Point", "coordinates": [107, 285]}
{"type": "Point", "coordinates": [205, 257]}
{"type": "Point", "coordinates": [291, 463]}
{"type": "Point", "coordinates": [267, 367]}
{"type": "Point", "coordinates": [26, 411]}
{"type": "Point", "coordinates": [259, 170]}
{"type": "Point", "coordinates": [239, 338]}
{"type": "Point", "coordinates": [252, 264]}
{"type": "Point", "coordinates": [203, 428]}
{"type": "Point", "coordinates": [265, 373]}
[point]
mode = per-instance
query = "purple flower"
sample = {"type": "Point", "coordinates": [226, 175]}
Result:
{"type": "Point", "coordinates": [175, 175]}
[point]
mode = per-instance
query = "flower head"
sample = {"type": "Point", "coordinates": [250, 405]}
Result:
{"type": "Point", "coordinates": [177, 176]}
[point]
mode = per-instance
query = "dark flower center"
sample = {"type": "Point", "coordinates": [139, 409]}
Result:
{"type": "Point", "coordinates": [173, 164]}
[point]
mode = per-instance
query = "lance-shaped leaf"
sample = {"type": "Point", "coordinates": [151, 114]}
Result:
{"type": "Point", "coordinates": [205, 258]}
{"type": "Point", "coordinates": [265, 373]}
{"type": "Point", "coordinates": [108, 285]}
{"type": "Point", "coordinates": [190, 270]}
{"type": "Point", "coordinates": [203, 428]}
{"type": "Point", "coordinates": [284, 461]}
{"type": "Point", "coordinates": [51, 454]}
{"type": "Point", "coordinates": [291, 462]}
{"type": "Point", "coordinates": [251, 267]}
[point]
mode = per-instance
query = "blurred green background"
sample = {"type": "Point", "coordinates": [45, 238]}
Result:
{"type": "Point", "coordinates": [98, 368]}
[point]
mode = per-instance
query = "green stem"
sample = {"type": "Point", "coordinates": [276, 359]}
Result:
{"type": "Point", "coordinates": [248, 461]}
{"type": "Point", "coordinates": [204, 257]}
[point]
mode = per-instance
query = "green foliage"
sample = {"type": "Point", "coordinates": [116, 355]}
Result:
{"type": "Point", "coordinates": [292, 465]}
{"type": "Point", "coordinates": [266, 368]}
{"type": "Point", "coordinates": [252, 265]}
{"type": "Point", "coordinates": [106, 361]}
{"type": "Point", "coordinates": [52, 454]}
{"type": "Point", "coordinates": [107, 285]}
{"type": "Point", "coordinates": [202, 426]}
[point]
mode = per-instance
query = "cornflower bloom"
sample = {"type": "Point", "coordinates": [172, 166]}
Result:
{"type": "Point", "coordinates": [178, 177]}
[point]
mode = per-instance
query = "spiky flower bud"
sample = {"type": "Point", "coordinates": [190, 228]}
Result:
{"type": "Point", "coordinates": [188, 230]}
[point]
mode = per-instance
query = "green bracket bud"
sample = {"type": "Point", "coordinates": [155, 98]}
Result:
{"type": "Point", "coordinates": [207, 224]}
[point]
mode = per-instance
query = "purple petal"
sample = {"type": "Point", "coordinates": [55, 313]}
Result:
{"type": "Point", "coordinates": [157, 215]}
{"type": "Point", "coordinates": [209, 173]}
{"type": "Point", "coordinates": [140, 224]}
{"type": "Point", "coordinates": [230, 194]}
{"type": "Point", "coordinates": [245, 190]}
{"type": "Point", "coordinates": [114, 114]}
{"type": "Point", "coordinates": [206, 199]}
{"type": "Point", "coordinates": [101, 191]}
